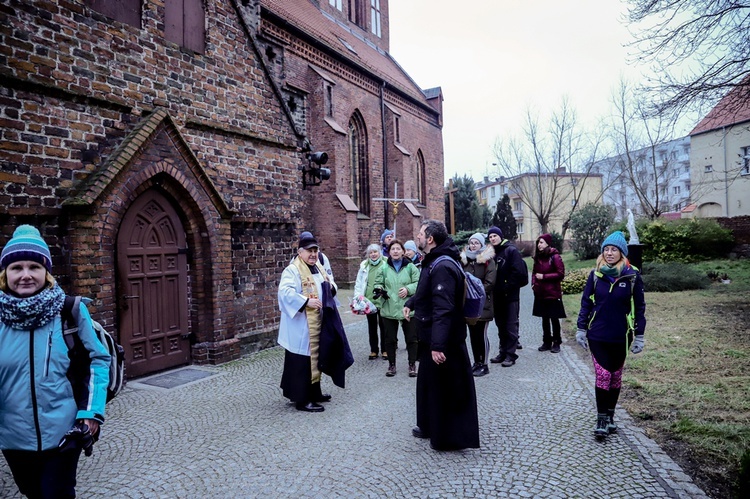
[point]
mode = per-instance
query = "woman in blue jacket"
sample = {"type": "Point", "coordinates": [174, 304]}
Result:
{"type": "Point", "coordinates": [612, 319]}
{"type": "Point", "coordinates": [37, 405]}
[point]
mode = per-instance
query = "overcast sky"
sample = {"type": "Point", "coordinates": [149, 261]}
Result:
{"type": "Point", "coordinates": [496, 58]}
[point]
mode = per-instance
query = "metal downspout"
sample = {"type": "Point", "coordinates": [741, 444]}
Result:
{"type": "Point", "coordinates": [385, 153]}
{"type": "Point", "coordinates": [726, 173]}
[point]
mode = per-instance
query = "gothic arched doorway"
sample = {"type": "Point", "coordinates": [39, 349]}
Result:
{"type": "Point", "coordinates": [152, 288]}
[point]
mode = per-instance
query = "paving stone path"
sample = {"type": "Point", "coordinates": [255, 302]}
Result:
{"type": "Point", "coordinates": [232, 434]}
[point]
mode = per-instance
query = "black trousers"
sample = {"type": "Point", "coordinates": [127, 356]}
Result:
{"type": "Point", "coordinates": [49, 474]}
{"type": "Point", "coordinates": [373, 323]}
{"type": "Point", "coordinates": [390, 331]}
{"type": "Point", "coordinates": [480, 344]}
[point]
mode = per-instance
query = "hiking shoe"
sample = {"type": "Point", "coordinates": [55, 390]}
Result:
{"type": "Point", "coordinates": [482, 370]}
{"type": "Point", "coordinates": [508, 362]}
{"type": "Point", "coordinates": [373, 356]}
{"type": "Point", "coordinates": [611, 425]}
{"type": "Point", "coordinates": [391, 371]}
{"type": "Point", "coordinates": [555, 348]}
{"type": "Point", "coordinates": [412, 370]}
{"type": "Point", "coordinates": [546, 347]}
{"type": "Point", "coordinates": [496, 360]}
{"type": "Point", "coordinates": [601, 429]}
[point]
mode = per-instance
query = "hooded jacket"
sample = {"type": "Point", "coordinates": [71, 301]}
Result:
{"type": "Point", "coordinates": [37, 406]}
{"type": "Point", "coordinates": [391, 280]}
{"type": "Point", "coordinates": [606, 304]}
{"type": "Point", "coordinates": [512, 273]}
{"type": "Point", "coordinates": [552, 268]}
{"type": "Point", "coordinates": [484, 269]}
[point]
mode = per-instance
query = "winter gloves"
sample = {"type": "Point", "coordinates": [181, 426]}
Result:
{"type": "Point", "coordinates": [638, 344]}
{"type": "Point", "coordinates": [581, 339]}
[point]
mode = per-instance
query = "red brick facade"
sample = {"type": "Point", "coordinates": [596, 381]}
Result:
{"type": "Point", "coordinates": [95, 112]}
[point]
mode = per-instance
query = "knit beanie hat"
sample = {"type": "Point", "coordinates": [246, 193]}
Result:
{"type": "Point", "coordinates": [495, 230]}
{"type": "Point", "coordinates": [386, 232]}
{"type": "Point", "coordinates": [616, 239]}
{"type": "Point", "coordinates": [410, 245]}
{"type": "Point", "coordinates": [547, 239]}
{"type": "Point", "coordinates": [26, 244]}
{"type": "Point", "coordinates": [480, 237]}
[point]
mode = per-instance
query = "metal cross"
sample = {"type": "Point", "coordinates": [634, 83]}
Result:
{"type": "Point", "coordinates": [395, 201]}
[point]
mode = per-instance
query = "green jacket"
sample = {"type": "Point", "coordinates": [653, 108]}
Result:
{"type": "Point", "coordinates": [391, 281]}
{"type": "Point", "coordinates": [366, 277]}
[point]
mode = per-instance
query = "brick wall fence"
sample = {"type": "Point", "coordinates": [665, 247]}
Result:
{"type": "Point", "coordinates": [740, 227]}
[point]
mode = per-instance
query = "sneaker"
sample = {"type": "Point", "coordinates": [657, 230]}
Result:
{"type": "Point", "coordinates": [508, 362]}
{"type": "Point", "coordinates": [373, 356]}
{"type": "Point", "coordinates": [555, 348]}
{"type": "Point", "coordinates": [601, 430]}
{"type": "Point", "coordinates": [482, 370]}
{"type": "Point", "coordinates": [412, 370]}
{"type": "Point", "coordinates": [611, 425]}
{"type": "Point", "coordinates": [391, 370]}
{"type": "Point", "coordinates": [546, 347]}
{"type": "Point", "coordinates": [496, 360]}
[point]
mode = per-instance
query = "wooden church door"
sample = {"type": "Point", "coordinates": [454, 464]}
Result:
{"type": "Point", "coordinates": [152, 290]}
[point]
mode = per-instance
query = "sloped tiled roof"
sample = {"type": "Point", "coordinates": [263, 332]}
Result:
{"type": "Point", "coordinates": [734, 108]}
{"type": "Point", "coordinates": [307, 18]}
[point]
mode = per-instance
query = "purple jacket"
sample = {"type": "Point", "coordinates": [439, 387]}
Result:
{"type": "Point", "coordinates": [552, 268]}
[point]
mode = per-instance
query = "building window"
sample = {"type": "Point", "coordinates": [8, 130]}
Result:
{"type": "Point", "coordinates": [519, 206]}
{"type": "Point", "coordinates": [336, 3]}
{"type": "Point", "coordinates": [745, 161]}
{"type": "Point", "coordinates": [492, 192]}
{"type": "Point", "coordinates": [397, 129]}
{"type": "Point", "coordinates": [125, 11]}
{"type": "Point", "coordinates": [519, 227]}
{"type": "Point", "coordinates": [185, 24]}
{"type": "Point", "coordinates": [483, 194]}
{"type": "Point", "coordinates": [421, 183]}
{"type": "Point", "coordinates": [676, 189]}
{"type": "Point", "coordinates": [357, 12]}
{"type": "Point", "coordinates": [708, 169]}
{"type": "Point", "coordinates": [329, 99]}
{"type": "Point", "coordinates": [375, 16]}
{"type": "Point", "coordinates": [360, 186]}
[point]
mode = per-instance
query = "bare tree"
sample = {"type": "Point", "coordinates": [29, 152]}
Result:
{"type": "Point", "coordinates": [644, 161]}
{"type": "Point", "coordinates": [698, 49]}
{"type": "Point", "coordinates": [549, 170]}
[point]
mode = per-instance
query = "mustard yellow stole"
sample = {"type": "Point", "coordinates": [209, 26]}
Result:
{"type": "Point", "coordinates": [314, 317]}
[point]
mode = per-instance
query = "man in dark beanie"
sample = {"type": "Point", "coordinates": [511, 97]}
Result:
{"type": "Point", "coordinates": [512, 275]}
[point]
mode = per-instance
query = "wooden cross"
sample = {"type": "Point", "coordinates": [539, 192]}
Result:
{"type": "Point", "coordinates": [452, 208]}
{"type": "Point", "coordinates": [394, 201]}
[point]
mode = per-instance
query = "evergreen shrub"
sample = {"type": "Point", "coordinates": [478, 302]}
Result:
{"type": "Point", "coordinates": [575, 281]}
{"type": "Point", "coordinates": [672, 276]}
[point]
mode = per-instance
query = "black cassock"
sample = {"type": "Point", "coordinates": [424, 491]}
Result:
{"type": "Point", "coordinates": [446, 397]}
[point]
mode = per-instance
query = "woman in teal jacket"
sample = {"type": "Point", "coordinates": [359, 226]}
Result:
{"type": "Point", "coordinates": [396, 282]}
{"type": "Point", "coordinates": [37, 405]}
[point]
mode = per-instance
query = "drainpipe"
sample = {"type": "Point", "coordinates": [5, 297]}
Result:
{"type": "Point", "coordinates": [385, 152]}
{"type": "Point", "coordinates": [726, 174]}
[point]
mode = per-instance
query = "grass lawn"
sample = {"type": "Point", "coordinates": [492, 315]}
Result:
{"type": "Point", "coordinates": [690, 388]}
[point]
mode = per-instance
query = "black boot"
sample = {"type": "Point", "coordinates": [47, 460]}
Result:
{"type": "Point", "coordinates": [611, 425]}
{"type": "Point", "coordinates": [601, 430]}
{"type": "Point", "coordinates": [546, 347]}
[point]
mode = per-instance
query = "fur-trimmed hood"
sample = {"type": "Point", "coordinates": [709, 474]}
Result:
{"type": "Point", "coordinates": [487, 254]}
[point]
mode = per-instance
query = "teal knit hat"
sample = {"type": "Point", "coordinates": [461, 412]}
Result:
{"type": "Point", "coordinates": [26, 244]}
{"type": "Point", "coordinates": [616, 239]}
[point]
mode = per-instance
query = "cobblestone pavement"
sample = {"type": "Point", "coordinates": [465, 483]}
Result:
{"type": "Point", "coordinates": [234, 435]}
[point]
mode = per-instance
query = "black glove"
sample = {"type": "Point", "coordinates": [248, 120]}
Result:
{"type": "Point", "coordinates": [78, 437]}
{"type": "Point", "coordinates": [380, 293]}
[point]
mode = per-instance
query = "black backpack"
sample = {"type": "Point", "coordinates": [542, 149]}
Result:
{"type": "Point", "coordinates": [79, 359]}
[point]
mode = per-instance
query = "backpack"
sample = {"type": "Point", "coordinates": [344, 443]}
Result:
{"type": "Point", "coordinates": [525, 278]}
{"type": "Point", "coordinates": [78, 355]}
{"type": "Point", "coordinates": [474, 296]}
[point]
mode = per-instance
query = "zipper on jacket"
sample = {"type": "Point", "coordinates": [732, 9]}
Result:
{"type": "Point", "coordinates": [34, 406]}
{"type": "Point", "coordinates": [48, 354]}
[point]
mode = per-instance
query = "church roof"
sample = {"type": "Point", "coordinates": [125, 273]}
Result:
{"type": "Point", "coordinates": [345, 42]}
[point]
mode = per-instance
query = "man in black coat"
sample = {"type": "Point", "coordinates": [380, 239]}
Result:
{"type": "Point", "coordinates": [446, 397]}
{"type": "Point", "coordinates": [511, 276]}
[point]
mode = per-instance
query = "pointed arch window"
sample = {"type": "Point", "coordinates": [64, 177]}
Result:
{"type": "Point", "coordinates": [358, 164]}
{"type": "Point", "coordinates": [421, 182]}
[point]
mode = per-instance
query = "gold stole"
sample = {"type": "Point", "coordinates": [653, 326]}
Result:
{"type": "Point", "coordinates": [314, 317]}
